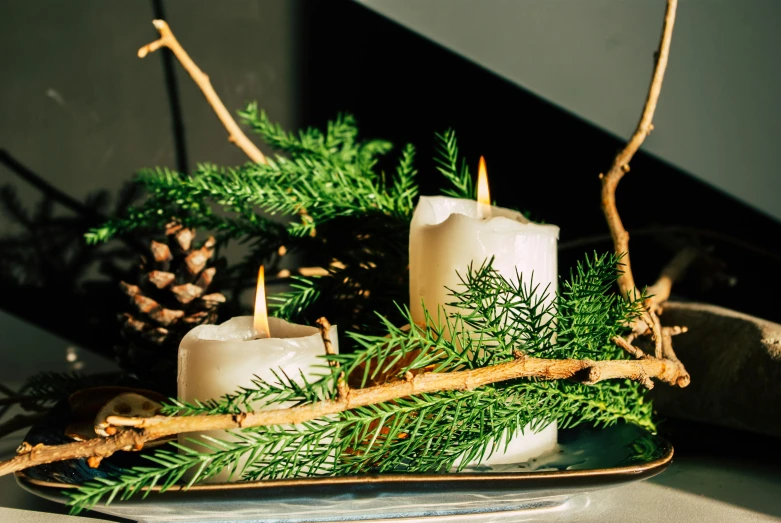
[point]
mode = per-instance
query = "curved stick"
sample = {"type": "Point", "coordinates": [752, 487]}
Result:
{"type": "Point", "coordinates": [143, 430]}
{"type": "Point", "coordinates": [620, 164]}
{"type": "Point", "coordinates": [235, 135]}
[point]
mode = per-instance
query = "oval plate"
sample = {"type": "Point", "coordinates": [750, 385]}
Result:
{"type": "Point", "coordinates": [586, 459]}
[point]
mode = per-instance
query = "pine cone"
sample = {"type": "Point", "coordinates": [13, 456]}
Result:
{"type": "Point", "coordinates": [170, 298]}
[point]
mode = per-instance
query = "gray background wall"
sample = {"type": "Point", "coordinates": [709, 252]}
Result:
{"type": "Point", "coordinates": [79, 107]}
{"type": "Point", "coordinates": [720, 113]}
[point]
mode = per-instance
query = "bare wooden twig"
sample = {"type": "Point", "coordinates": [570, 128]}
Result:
{"type": "Point", "coordinates": [235, 135]}
{"type": "Point", "coordinates": [649, 320]}
{"type": "Point", "coordinates": [659, 292]}
{"type": "Point", "coordinates": [620, 164]}
{"type": "Point", "coordinates": [143, 430]}
{"type": "Point", "coordinates": [342, 388]}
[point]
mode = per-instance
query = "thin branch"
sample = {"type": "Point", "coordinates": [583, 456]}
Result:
{"type": "Point", "coordinates": [620, 167]}
{"type": "Point", "coordinates": [669, 354]}
{"type": "Point", "coordinates": [656, 333]}
{"type": "Point", "coordinates": [144, 430]}
{"type": "Point", "coordinates": [627, 346]}
{"type": "Point", "coordinates": [342, 388]}
{"type": "Point", "coordinates": [659, 292]}
{"type": "Point", "coordinates": [235, 135]}
{"type": "Point", "coordinates": [620, 164]}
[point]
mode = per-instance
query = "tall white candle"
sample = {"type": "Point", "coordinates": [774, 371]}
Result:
{"type": "Point", "coordinates": [449, 234]}
{"type": "Point", "coordinates": [215, 360]}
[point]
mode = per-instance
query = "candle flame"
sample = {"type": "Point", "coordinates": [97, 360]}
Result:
{"type": "Point", "coordinates": [261, 312]}
{"type": "Point", "coordinates": [483, 194]}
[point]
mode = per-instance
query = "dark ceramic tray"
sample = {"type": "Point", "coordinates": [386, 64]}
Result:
{"type": "Point", "coordinates": [585, 460]}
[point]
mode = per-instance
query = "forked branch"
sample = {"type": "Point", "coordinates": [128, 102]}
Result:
{"type": "Point", "coordinates": [649, 322]}
{"type": "Point", "coordinates": [139, 431]}
{"type": "Point", "coordinates": [235, 135]}
{"type": "Point", "coordinates": [620, 164]}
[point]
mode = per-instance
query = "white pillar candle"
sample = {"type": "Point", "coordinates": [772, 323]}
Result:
{"type": "Point", "coordinates": [449, 234]}
{"type": "Point", "coordinates": [215, 360]}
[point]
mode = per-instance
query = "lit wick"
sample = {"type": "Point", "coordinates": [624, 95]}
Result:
{"type": "Point", "coordinates": [261, 313]}
{"type": "Point", "coordinates": [483, 195]}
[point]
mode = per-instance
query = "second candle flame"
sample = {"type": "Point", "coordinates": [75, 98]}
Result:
{"type": "Point", "coordinates": [261, 312]}
{"type": "Point", "coordinates": [483, 194]}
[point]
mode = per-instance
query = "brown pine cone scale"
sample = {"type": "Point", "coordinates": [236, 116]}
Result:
{"type": "Point", "coordinates": [172, 295]}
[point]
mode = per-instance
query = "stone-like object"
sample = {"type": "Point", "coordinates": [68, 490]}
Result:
{"type": "Point", "coordinates": [735, 364]}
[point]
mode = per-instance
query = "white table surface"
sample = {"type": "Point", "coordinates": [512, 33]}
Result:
{"type": "Point", "coordinates": [709, 489]}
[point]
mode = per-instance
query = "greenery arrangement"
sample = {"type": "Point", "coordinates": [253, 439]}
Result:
{"type": "Point", "coordinates": [326, 184]}
{"type": "Point", "coordinates": [426, 432]}
{"type": "Point", "coordinates": [406, 398]}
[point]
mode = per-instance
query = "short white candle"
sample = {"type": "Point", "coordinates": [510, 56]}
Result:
{"type": "Point", "coordinates": [215, 360]}
{"type": "Point", "coordinates": [449, 234]}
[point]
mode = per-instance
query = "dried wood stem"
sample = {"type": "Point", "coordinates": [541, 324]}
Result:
{"type": "Point", "coordinates": [235, 135]}
{"type": "Point", "coordinates": [659, 292]}
{"type": "Point", "coordinates": [143, 430]}
{"type": "Point", "coordinates": [627, 346]}
{"type": "Point", "coordinates": [620, 164]}
{"type": "Point", "coordinates": [683, 378]}
{"type": "Point", "coordinates": [342, 388]}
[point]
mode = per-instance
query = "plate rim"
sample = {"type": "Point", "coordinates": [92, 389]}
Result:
{"type": "Point", "coordinates": [389, 478]}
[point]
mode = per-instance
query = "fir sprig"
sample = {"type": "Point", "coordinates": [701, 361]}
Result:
{"type": "Point", "coordinates": [452, 166]}
{"type": "Point", "coordinates": [323, 183]}
{"type": "Point", "coordinates": [324, 175]}
{"type": "Point", "coordinates": [426, 432]}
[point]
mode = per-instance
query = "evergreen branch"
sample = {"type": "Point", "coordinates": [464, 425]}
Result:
{"type": "Point", "coordinates": [303, 294]}
{"type": "Point", "coordinates": [404, 190]}
{"type": "Point", "coordinates": [328, 185]}
{"type": "Point", "coordinates": [338, 142]}
{"type": "Point", "coordinates": [170, 468]}
{"type": "Point", "coordinates": [452, 167]}
{"type": "Point", "coordinates": [587, 372]}
{"type": "Point", "coordinates": [425, 395]}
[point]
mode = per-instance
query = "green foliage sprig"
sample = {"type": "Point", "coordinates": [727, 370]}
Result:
{"type": "Point", "coordinates": [324, 175]}
{"type": "Point", "coordinates": [426, 432]}
{"type": "Point", "coordinates": [322, 184]}
{"type": "Point", "coordinates": [453, 167]}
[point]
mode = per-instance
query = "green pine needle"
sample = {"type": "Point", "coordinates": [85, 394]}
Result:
{"type": "Point", "coordinates": [453, 167]}
{"type": "Point", "coordinates": [328, 196]}
{"type": "Point", "coordinates": [427, 432]}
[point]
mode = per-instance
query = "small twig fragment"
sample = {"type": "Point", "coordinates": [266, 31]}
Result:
{"type": "Point", "coordinates": [659, 292]}
{"type": "Point", "coordinates": [627, 346]}
{"type": "Point", "coordinates": [235, 135]}
{"type": "Point", "coordinates": [342, 388]}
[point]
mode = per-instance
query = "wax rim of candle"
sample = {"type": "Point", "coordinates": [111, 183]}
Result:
{"type": "Point", "coordinates": [434, 211]}
{"type": "Point", "coordinates": [241, 328]}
